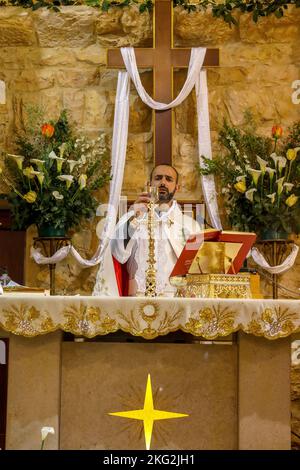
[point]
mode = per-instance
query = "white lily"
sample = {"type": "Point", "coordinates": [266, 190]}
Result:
{"type": "Point", "coordinates": [59, 160]}
{"type": "Point", "coordinates": [262, 164]}
{"type": "Point", "coordinates": [62, 149]}
{"type": "Point", "coordinates": [288, 186]}
{"type": "Point", "coordinates": [255, 175]}
{"type": "Point", "coordinates": [281, 163]}
{"type": "Point", "coordinates": [82, 181]}
{"type": "Point", "coordinates": [275, 159]}
{"type": "Point", "coordinates": [280, 185]}
{"type": "Point", "coordinates": [44, 432]}
{"type": "Point", "coordinates": [241, 178]}
{"type": "Point", "coordinates": [39, 163]}
{"type": "Point", "coordinates": [18, 159]}
{"type": "Point", "coordinates": [40, 176]}
{"type": "Point", "coordinates": [271, 172]}
{"type": "Point", "coordinates": [67, 178]}
{"type": "Point", "coordinates": [250, 193]}
{"type": "Point", "coordinates": [47, 430]}
{"type": "Point", "coordinates": [52, 155]}
{"type": "Point", "coordinates": [72, 164]}
{"type": "Point", "coordinates": [57, 195]}
{"type": "Point", "coordinates": [83, 159]}
{"type": "Point", "coordinates": [272, 197]}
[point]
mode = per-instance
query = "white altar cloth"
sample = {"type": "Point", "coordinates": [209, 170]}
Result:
{"type": "Point", "coordinates": [88, 316]}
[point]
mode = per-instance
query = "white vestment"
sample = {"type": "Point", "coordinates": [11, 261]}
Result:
{"type": "Point", "coordinates": [172, 228]}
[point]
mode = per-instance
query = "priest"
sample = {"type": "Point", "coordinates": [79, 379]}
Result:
{"type": "Point", "coordinates": [172, 228]}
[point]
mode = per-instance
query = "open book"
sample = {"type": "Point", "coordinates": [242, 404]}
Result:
{"type": "Point", "coordinates": [214, 251]}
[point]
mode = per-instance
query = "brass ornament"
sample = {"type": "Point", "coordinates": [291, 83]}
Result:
{"type": "Point", "coordinates": [151, 270]}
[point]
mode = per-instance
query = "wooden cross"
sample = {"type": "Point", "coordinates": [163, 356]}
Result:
{"type": "Point", "coordinates": [162, 58]}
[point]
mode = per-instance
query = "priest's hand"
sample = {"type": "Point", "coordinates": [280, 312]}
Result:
{"type": "Point", "coordinates": [140, 206]}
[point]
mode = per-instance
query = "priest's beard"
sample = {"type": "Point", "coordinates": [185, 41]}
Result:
{"type": "Point", "coordinates": [166, 196]}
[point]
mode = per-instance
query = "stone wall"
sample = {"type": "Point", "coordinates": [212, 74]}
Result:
{"type": "Point", "coordinates": [59, 60]}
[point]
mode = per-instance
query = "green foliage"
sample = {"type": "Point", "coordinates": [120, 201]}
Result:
{"type": "Point", "coordinates": [224, 10]}
{"type": "Point", "coordinates": [104, 5]}
{"type": "Point", "coordinates": [293, 139]}
{"type": "Point", "coordinates": [53, 175]}
{"type": "Point", "coordinates": [258, 177]}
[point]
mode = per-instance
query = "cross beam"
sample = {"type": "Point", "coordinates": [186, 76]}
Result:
{"type": "Point", "coordinates": [163, 58]}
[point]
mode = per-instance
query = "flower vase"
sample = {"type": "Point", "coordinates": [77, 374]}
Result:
{"type": "Point", "coordinates": [49, 231]}
{"type": "Point", "coordinates": [272, 234]}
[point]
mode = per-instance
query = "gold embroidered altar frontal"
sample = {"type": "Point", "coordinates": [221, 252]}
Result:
{"type": "Point", "coordinates": [30, 316]}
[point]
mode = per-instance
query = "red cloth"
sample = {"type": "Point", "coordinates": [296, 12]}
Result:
{"type": "Point", "coordinates": [122, 277]}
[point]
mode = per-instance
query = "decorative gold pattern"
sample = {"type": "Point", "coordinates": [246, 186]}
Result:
{"type": "Point", "coordinates": [225, 286]}
{"type": "Point", "coordinates": [272, 323]}
{"type": "Point", "coordinates": [211, 322]}
{"type": "Point", "coordinates": [87, 321]}
{"type": "Point", "coordinates": [26, 320]}
{"type": "Point", "coordinates": [150, 312]}
{"type": "Point", "coordinates": [27, 315]}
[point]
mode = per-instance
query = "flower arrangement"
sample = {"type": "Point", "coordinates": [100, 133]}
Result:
{"type": "Point", "coordinates": [51, 178]}
{"type": "Point", "coordinates": [259, 178]}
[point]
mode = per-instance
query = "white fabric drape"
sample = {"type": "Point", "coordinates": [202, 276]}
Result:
{"type": "Point", "coordinates": [204, 149]}
{"type": "Point", "coordinates": [106, 281]}
{"type": "Point", "coordinates": [196, 61]}
{"type": "Point", "coordinates": [281, 268]}
{"type": "Point", "coordinates": [2, 92]}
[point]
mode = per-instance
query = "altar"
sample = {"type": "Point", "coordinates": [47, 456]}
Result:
{"type": "Point", "coordinates": [230, 376]}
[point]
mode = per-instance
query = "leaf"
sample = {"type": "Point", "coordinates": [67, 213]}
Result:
{"type": "Point", "coordinates": [105, 5]}
{"type": "Point", "coordinates": [255, 16]}
{"type": "Point", "coordinates": [279, 13]}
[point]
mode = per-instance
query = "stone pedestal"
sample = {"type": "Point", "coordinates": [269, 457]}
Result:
{"type": "Point", "coordinates": [237, 395]}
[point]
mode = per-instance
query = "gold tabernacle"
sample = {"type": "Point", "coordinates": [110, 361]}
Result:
{"type": "Point", "coordinates": [214, 286]}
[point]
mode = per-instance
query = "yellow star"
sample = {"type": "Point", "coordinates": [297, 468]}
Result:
{"type": "Point", "coordinates": [148, 414]}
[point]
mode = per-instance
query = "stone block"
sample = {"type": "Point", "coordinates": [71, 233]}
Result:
{"type": "Point", "coordinates": [93, 54]}
{"type": "Point", "coordinates": [78, 78]}
{"type": "Point", "coordinates": [54, 30]}
{"type": "Point", "coordinates": [271, 29]}
{"type": "Point", "coordinates": [126, 27]}
{"type": "Point", "coordinates": [201, 29]}
{"type": "Point", "coordinates": [16, 29]}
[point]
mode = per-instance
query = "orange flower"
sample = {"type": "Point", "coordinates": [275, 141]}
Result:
{"type": "Point", "coordinates": [277, 131]}
{"type": "Point", "coordinates": [48, 130]}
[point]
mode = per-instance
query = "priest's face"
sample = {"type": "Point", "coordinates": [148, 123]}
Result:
{"type": "Point", "coordinates": [165, 178]}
